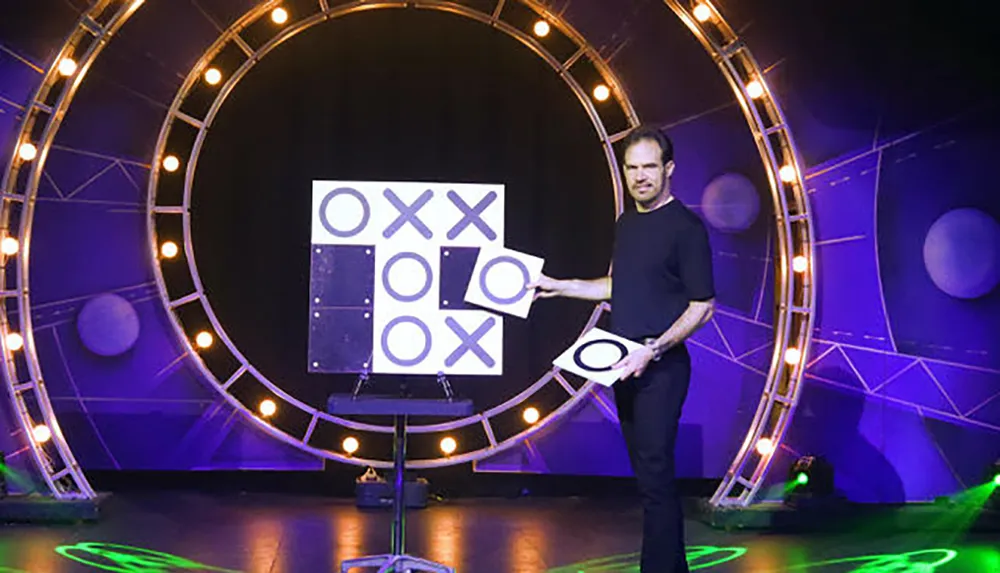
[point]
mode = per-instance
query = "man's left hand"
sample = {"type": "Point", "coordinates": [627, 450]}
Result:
{"type": "Point", "coordinates": [635, 363]}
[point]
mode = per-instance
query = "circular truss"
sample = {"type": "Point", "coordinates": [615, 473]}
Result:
{"type": "Point", "coordinates": [793, 263]}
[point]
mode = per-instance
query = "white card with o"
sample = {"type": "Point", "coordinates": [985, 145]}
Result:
{"type": "Point", "coordinates": [499, 279]}
{"type": "Point", "coordinates": [593, 355]}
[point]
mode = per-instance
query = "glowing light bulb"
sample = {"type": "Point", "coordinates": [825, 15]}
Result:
{"type": "Point", "coordinates": [15, 341]}
{"type": "Point", "coordinates": [9, 246]}
{"type": "Point", "coordinates": [279, 15]}
{"type": "Point", "coordinates": [351, 444]}
{"type": "Point", "coordinates": [171, 163]}
{"type": "Point", "coordinates": [27, 151]}
{"type": "Point", "coordinates": [204, 339]}
{"type": "Point", "coordinates": [169, 249]}
{"type": "Point", "coordinates": [793, 356]}
{"type": "Point", "coordinates": [67, 67]}
{"type": "Point", "coordinates": [800, 264]}
{"type": "Point", "coordinates": [755, 89]}
{"type": "Point", "coordinates": [267, 408]}
{"type": "Point", "coordinates": [802, 478]}
{"type": "Point", "coordinates": [531, 415]}
{"type": "Point", "coordinates": [213, 76]}
{"type": "Point", "coordinates": [765, 446]}
{"type": "Point", "coordinates": [41, 433]}
{"type": "Point", "coordinates": [702, 12]}
{"type": "Point", "coordinates": [602, 92]}
{"type": "Point", "coordinates": [542, 28]}
{"type": "Point", "coordinates": [787, 173]}
{"type": "Point", "coordinates": [449, 445]}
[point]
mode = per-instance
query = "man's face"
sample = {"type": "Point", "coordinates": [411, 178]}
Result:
{"type": "Point", "coordinates": [645, 175]}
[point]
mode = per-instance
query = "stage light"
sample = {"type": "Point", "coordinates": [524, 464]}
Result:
{"type": "Point", "coordinates": [542, 28]}
{"type": "Point", "coordinates": [800, 264]}
{"type": "Point", "coordinates": [602, 92]}
{"type": "Point", "coordinates": [204, 339]}
{"type": "Point", "coordinates": [996, 480]}
{"type": "Point", "coordinates": [765, 446]}
{"type": "Point", "coordinates": [531, 415]}
{"type": "Point", "coordinates": [3, 475]}
{"type": "Point", "coordinates": [755, 89]}
{"type": "Point", "coordinates": [449, 445]}
{"type": "Point", "coordinates": [67, 67]}
{"type": "Point", "coordinates": [267, 408]}
{"type": "Point", "coordinates": [793, 356]}
{"type": "Point", "coordinates": [702, 12]}
{"type": "Point", "coordinates": [27, 151]}
{"type": "Point", "coordinates": [171, 163]}
{"type": "Point", "coordinates": [279, 15]}
{"type": "Point", "coordinates": [351, 445]}
{"type": "Point", "coordinates": [169, 249]}
{"type": "Point", "coordinates": [809, 479]}
{"type": "Point", "coordinates": [41, 434]}
{"type": "Point", "coordinates": [213, 76]}
{"type": "Point", "coordinates": [787, 173]}
{"type": "Point", "coordinates": [15, 341]}
{"type": "Point", "coordinates": [9, 246]}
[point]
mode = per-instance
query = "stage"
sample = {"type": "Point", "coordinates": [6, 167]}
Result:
{"type": "Point", "coordinates": [275, 533]}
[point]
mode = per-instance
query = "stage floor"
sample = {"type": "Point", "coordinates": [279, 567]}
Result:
{"type": "Point", "coordinates": [257, 533]}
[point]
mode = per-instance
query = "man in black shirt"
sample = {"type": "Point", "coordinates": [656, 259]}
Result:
{"type": "Point", "coordinates": [662, 292]}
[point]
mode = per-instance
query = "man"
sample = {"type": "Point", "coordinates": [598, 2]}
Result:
{"type": "Point", "coordinates": [662, 292]}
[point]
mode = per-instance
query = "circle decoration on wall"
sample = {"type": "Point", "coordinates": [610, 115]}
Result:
{"type": "Point", "coordinates": [108, 325]}
{"type": "Point", "coordinates": [730, 203]}
{"type": "Point", "coordinates": [962, 253]}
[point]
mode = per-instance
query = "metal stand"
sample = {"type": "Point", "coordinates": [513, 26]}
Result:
{"type": "Point", "coordinates": [397, 561]}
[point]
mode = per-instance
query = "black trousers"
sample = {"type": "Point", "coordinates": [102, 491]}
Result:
{"type": "Point", "coordinates": [649, 411]}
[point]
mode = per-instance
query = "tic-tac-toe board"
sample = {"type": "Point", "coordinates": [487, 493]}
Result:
{"type": "Point", "coordinates": [390, 266]}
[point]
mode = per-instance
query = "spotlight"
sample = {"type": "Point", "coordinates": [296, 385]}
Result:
{"type": "Point", "coordinates": [991, 480]}
{"type": "Point", "coordinates": [765, 446]}
{"type": "Point", "coordinates": [800, 264]}
{"type": "Point", "coordinates": [15, 341]}
{"type": "Point", "coordinates": [531, 415]}
{"type": "Point", "coordinates": [203, 339]}
{"type": "Point", "coordinates": [267, 408]}
{"type": "Point", "coordinates": [169, 249]}
{"type": "Point", "coordinates": [3, 475]}
{"type": "Point", "coordinates": [213, 76]}
{"type": "Point", "coordinates": [67, 67]}
{"type": "Point", "coordinates": [279, 15]}
{"type": "Point", "coordinates": [702, 12]}
{"type": "Point", "coordinates": [793, 356]}
{"type": "Point", "coordinates": [27, 151]}
{"type": "Point", "coordinates": [41, 434]}
{"type": "Point", "coordinates": [542, 28]}
{"type": "Point", "coordinates": [787, 173]}
{"type": "Point", "coordinates": [351, 445]}
{"type": "Point", "coordinates": [171, 163]}
{"type": "Point", "coordinates": [449, 445]}
{"type": "Point", "coordinates": [9, 246]}
{"type": "Point", "coordinates": [602, 92]}
{"type": "Point", "coordinates": [755, 89]}
{"type": "Point", "coordinates": [810, 479]}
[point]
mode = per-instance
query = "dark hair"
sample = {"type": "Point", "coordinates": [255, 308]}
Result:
{"type": "Point", "coordinates": [651, 134]}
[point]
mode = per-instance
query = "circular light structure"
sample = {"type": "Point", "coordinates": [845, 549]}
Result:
{"type": "Point", "coordinates": [27, 151]}
{"type": "Point", "coordinates": [702, 12]}
{"type": "Point", "coordinates": [171, 163]}
{"type": "Point", "coordinates": [802, 478]}
{"type": "Point", "coordinates": [169, 249]}
{"type": "Point", "coordinates": [755, 89]}
{"type": "Point", "coordinates": [531, 415]}
{"type": "Point", "coordinates": [350, 445]}
{"type": "Point", "coordinates": [800, 264]}
{"type": "Point", "coordinates": [542, 28]}
{"type": "Point", "coordinates": [765, 446]}
{"type": "Point", "coordinates": [204, 339]}
{"type": "Point", "coordinates": [41, 434]}
{"type": "Point", "coordinates": [279, 16]}
{"type": "Point", "coordinates": [15, 341]}
{"type": "Point", "coordinates": [602, 92]}
{"type": "Point", "coordinates": [213, 76]}
{"type": "Point", "coordinates": [267, 408]}
{"type": "Point", "coordinates": [448, 445]}
{"type": "Point", "coordinates": [787, 173]}
{"type": "Point", "coordinates": [9, 246]}
{"type": "Point", "coordinates": [793, 356]}
{"type": "Point", "coordinates": [67, 67]}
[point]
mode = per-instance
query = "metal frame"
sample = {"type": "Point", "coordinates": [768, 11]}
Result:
{"type": "Point", "coordinates": [795, 293]}
{"type": "Point", "coordinates": [222, 383]}
{"type": "Point", "coordinates": [53, 458]}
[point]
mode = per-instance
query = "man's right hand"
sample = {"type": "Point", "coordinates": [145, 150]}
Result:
{"type": "Point", "coordinates": [546, 287]}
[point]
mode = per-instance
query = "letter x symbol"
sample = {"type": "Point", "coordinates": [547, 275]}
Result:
{"type": "Point", "coordinates": [472, 215]}
{"type": "Point", "coordinates": [469, 342]}
{"type": "Point", "coordinates": [408, 214]}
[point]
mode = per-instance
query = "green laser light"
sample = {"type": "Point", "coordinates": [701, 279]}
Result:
{"type": "Point", "coordinates": [802, 478]}
{"type": "Point", "coordinates": [996, 480]}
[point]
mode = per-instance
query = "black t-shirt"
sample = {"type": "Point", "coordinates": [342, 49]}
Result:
{"type": "Point", "coordinates": [662, 260]}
